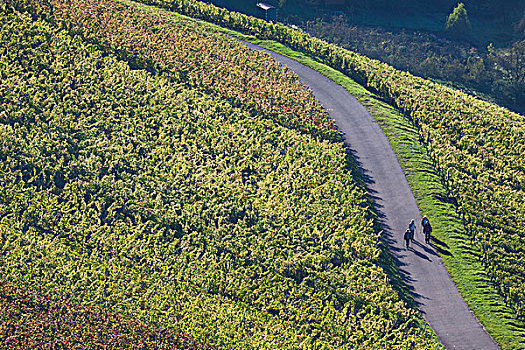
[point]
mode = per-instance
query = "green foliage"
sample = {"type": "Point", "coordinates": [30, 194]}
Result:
{"type": "Point", "coordinates": [459, 255]}
{"type": "Point", "coordinates": [214, 66]}
{"type": "Point", "coordinates": [458, 23]}
{"type": "Point", "coordinates": [162, 201]}
{"type": "Point", "coordinates": [476, 146]}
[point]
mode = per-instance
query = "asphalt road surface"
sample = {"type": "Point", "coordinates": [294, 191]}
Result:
{"type": "Point", "coordinates": [421, 267]}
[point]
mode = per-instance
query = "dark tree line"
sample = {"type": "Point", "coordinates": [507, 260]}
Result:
{"type": "Point", "coordinates": [499, 74]}
{"type": "Point", "coordinates": [504, 9]}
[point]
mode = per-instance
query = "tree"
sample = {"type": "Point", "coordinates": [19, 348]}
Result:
{"type": "Point", "coordinates": [458, 24]}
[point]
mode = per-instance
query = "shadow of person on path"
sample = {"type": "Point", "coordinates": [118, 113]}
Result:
{"type": "Point", "coordinates": [425, 247]}
{"type": "Point", "coordinates": [398, 253]}
{"type": "Point", "coordinates": [420, 255]}
{"type": "Point", "coordinates": [442, 251]}
{"type": "Point", "coordinates": [440, 242]}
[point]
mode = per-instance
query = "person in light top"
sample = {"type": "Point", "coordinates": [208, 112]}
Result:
{"type": "Point", "coordinates": [412, 229]}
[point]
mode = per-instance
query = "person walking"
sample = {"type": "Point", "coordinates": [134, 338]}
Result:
{"type": "Point", "coordinates": [412, 228]}
{"type": "Point", "coordinates": [427, 229]}
{"type": "Point", "coordinates": [407, 238]}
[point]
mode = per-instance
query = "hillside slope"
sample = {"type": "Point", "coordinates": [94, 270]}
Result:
{"type": "Point", "coordinates": [160, 200]}
{"type": "Point", "coordinates": [475, 146]}
{"type": "Point", "coordinates": [421, 267]}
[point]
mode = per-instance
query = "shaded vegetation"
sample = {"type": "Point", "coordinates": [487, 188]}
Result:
{"type": "Point", "coordinates": [465, 65]}
{"type": "Point", "coordinates": [458, 24]}
{"type": "Point", "coordinates": [490, 73]}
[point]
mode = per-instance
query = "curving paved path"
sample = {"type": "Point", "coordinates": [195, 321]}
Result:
{"type": "Point", "coordinates": [421, 268]}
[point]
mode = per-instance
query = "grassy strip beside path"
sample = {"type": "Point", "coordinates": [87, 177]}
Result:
{"type": "Point", "coordinates": [451, 240]}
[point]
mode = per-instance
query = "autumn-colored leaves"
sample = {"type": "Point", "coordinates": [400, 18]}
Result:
{"type": "Point", "coordinates": [29, 320]}
{"type": "Point", "coordinates": [213, 63]}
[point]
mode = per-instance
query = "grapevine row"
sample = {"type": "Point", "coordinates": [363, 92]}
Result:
{"type": "Point", "coordinates": [214, 66]}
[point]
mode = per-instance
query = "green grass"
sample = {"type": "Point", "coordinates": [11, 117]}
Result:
{"type": "Point", "coordinates": [459, 254]}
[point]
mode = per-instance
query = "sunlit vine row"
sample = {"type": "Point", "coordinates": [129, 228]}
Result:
{"type": "Point", "coordinates": [211, 63]}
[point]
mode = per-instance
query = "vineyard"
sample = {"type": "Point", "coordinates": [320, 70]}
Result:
{"type": "Point", "coordinates": [29, 320]}
{"type": "Point", "coordinates": [202, 197]}
{"type": "Point", "coordinates": [476, 146]}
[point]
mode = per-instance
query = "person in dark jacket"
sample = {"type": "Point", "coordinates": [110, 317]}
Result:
{"type": "Point", "coordinates": [407, 236]}
{"type": "Point", "coordinates": [427, 229]}
{"type": "Point", "coordinates": [424, 221]}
